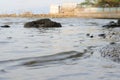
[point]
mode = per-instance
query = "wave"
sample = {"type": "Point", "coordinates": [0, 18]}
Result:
{"type": "Point", "coordinates": [56, 58]}
{"type": "Point", "coordinates": [50, 59]}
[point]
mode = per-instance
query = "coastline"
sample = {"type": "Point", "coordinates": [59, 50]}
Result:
{"type": "Point", "coordinates": [102, 15]}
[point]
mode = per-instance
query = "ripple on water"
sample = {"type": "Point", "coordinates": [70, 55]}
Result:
{"type": "Point", "coordinates": [5, 42]}
{"type": "Point", "coordinates": [36, 61]}
{"type": "Point", "coordinates": [58, 51]}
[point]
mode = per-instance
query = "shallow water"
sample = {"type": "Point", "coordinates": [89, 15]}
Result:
{"type": "Point", "coordinates": [64, 53]}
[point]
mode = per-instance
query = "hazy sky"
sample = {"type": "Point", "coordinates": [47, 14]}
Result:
{"type": "Point", "coordinates": [39, 6]}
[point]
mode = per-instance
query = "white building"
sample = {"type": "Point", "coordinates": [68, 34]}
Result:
{"type": "Point", "coordinates": [65, 8]}
{"type": "Point", "coordinates": [69, 5]}
{"type": "Point", "coordinates": [54, 9]}
{"type": "Point", "coordinates": [68, 8]}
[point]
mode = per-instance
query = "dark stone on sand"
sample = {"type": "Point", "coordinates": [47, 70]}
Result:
{"type": "Point", "coordinates": [42, 23]}
{"type": "Point", "coordinates": [113, 24]}
{"type": "Point", "coordinates": [5, 26]}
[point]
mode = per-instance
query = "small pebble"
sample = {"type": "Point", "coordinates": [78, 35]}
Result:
{"type": "Point", "coordinates": [87, 34]}
{"type": "Point", "coordinates": [113, 33]}
{"type": "Point", "coordinates": [91, 36]}
{"type": "Point", "coordinates": [9, 37]}
{"type": "Point", "coordinates": [112, 43]}
{"type": "Point", "coordinates": [2, 70]}
{"type": "Point", "coordinates": [26, 47]}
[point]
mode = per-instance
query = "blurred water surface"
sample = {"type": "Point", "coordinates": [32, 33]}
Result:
{"type": "Point", "coordinates": [64, 53]}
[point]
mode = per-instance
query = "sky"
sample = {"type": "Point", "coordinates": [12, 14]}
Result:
{"type": "Point", "coordinates": [35, 6]}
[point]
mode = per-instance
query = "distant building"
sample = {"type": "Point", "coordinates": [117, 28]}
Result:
{"type": "Point", "coordinates": [65, 8]}
{"type": "Point", "coordinates": [69, 5]}
{"type": "Point", "coordinates": [54, 9]}
{"type": "Point", "coordinates": [68, 8]}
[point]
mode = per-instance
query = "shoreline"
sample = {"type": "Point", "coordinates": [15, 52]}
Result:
{"type": "Point", "coordinates": [80, 15]}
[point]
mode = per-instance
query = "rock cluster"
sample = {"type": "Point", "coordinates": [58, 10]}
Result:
{"type": "Point", "coordinates": [111, 51]}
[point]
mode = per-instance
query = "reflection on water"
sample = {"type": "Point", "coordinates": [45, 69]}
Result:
{"type": "Point", "coordinates": [56, 53]}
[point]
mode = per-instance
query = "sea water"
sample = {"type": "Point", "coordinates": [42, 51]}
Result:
{"type": "Point", "coordinates": [66, 53]}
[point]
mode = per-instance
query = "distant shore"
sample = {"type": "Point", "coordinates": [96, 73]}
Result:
{"type": "Point", "coordinates": [38, 15]}
{"type": "Point", "coordinates": [80, 15]}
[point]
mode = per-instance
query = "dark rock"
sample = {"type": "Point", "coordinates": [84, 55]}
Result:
{"type": "Point", "coordinates": [5, 26]}
{"type": "Point", "coordinates": [112, 43]}
{"type": "Point", "coordinates": [26, 47]}
{"type": "Point", "coordinates": [3, 70]}
{"type": "Point", "coordinates": [102, 35]}
{"type": "Point", "coordinates": [113, 24]}
{"type": "Point", "coordinates": [42, 23]}
{"type": "Point", "coordinates": [87, 34]}
{"type": "Point", "coordinates": [91, 36]}
{"type": "Point", "coordinates": [9, 37]}
{"type": "Point", "coordinates": [113, 33]}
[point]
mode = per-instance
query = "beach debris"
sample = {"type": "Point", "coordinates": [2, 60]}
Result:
{"type": "Point", "coordinates": [42, 23]}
